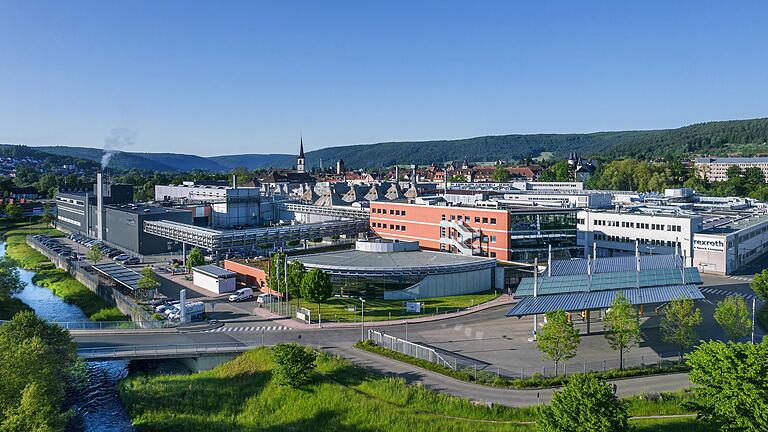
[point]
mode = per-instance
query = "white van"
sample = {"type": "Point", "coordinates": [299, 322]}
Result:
{"type": "Point", "coordinates": [241, 294]}
{"type": "Point", "coordinates": [266, 298]}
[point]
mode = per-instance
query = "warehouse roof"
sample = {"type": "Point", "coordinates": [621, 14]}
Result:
{"type": "Point", "coordinates": [214, 271]}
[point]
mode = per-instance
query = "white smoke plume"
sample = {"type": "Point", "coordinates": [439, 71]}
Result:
{"type": "Point", "coordinates": [118, 139]}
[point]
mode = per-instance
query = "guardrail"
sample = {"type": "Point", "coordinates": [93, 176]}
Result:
{"type": "Point", "coordinates": [162, 351]}
{"type": "Point", "coordinates": [409, 348]}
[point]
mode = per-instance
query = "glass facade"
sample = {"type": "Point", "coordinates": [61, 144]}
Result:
{"type": "Point", "coordinates": [368, 286]}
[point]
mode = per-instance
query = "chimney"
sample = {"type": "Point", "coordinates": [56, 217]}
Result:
{"type": "Point", "coordinates": [99, 206]}
{"type": "Point", "coordinates": [234, 181]}
{"type": "Point", "coordinates": [397, 174]}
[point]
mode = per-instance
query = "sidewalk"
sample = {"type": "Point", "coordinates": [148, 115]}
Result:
{"type": "Point", "coordinates": [498, 395]}
{"type": "Point", "coordinates": [503, 299]}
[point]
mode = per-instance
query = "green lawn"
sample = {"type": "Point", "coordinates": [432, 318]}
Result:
{"type": "Point", "coordinates": [72, 291]}
{"type": "Point", "coordinates": [336, 309]}
{"type": "Point", "coordinates": [240, 395]}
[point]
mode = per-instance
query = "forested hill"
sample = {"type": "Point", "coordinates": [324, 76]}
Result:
{"type": "Point", "coordinates": [743, 137]}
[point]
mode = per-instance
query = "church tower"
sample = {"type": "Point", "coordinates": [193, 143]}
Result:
{"type": "Point", "coordinates": [300, 159]}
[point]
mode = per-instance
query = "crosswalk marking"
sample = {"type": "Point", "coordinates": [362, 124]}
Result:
{"type": "Point", "coordinates": [741, 278]}
{"type": "Point", "coordinates": [248, 329]}
{"type": "Point", "coordinates": [726, 293]}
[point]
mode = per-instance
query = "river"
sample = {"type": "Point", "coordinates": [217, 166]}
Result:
{"type": "Point", "coordinates": [97, 404]}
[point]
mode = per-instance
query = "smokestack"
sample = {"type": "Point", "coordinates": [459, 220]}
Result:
{"type": "Point", "coordinates": [397, 174]}
{"type": "Point", "coordinates": [99, 206]}
{"type": "Point", "coordinates": [234, 181]}
{"type": "Point", "coordinates": [413, 175]}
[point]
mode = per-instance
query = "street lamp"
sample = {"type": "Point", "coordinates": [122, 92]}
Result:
{"type": "Point", "coordinates": [362, 319]}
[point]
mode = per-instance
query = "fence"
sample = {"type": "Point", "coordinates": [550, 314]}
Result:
{"type": "Point", "coordinates": [127, 305]}
{"type": "Point", "coordinates": [486, 370]}
{"type": "Point", "coordinates": [409, 348]}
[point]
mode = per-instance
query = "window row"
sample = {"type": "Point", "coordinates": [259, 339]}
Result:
{"type": "Point", "coordinates": [391, 212]}
{"type": "Point", "coordinates": [465, 218]}
{"type": "Point", "coordinates": [639, 225]}
{"type": "Point", "coordinates": [388, 226]}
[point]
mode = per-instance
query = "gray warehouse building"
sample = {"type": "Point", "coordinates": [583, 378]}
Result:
{"type": "Point", "coordinates": [123, 221]}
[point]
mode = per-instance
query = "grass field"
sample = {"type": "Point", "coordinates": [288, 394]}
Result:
{"type": "Point", "coordinates": [337, 308]}
{"type": "Point", "coordinates": [240, 395]}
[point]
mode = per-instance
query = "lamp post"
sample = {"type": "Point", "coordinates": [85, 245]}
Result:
{"type": "Point", "coordinates": [754, 301]}
{"type": "Point", "coordinates": [362, 319]}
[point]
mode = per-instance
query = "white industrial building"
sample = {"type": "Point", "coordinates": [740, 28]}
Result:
{"type": "Point", "coordinates": [714, 241]}
{"type": "Point", "coordinates": [214, 279]}
{"type": "Point", "coordinates": [230, 206]}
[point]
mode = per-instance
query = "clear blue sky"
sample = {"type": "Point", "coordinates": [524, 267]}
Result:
{"type": "Point", "coordinates": [248, 77]}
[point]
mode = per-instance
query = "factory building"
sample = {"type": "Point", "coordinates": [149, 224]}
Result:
{"type": "Point", "coordinates": [714, 241]}
{"type": "Point", "coordinates": [120, 223]}
{"type": "Point", "coordinates": [218, 205]}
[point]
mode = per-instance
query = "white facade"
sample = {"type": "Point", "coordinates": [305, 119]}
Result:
{"type": "Point", "coordinates": [215, 282]}
{"type": "Point", "coordinates": [230, 206]}
{"type": "Point", "coordinates": [615, 233]}
{"type": "Point", "coordinates": [714, 169]}
{"type": "Point", "coordinates": [714, 243]}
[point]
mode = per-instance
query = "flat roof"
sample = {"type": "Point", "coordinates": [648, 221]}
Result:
{"type": "Point", "coordinates": [394, 261]}
{"type": "Point", "coordinates": [214, 271]}
{"type": "Point", "coordinates": [142, 209]}
{"type": "Point", "coordinates": [121, 274]}
{"type": "Point", "coordinates": [733, 160]}
{"type": "Point", "coordinates": [733, 222]}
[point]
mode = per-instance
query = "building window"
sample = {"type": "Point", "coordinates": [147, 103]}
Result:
{"type": "Point", "coordinates": [477, 219]}
{"type": "Point", "coordinates": [403, 227]}
{"type": "Point", "coordinates": [493, 221]}
{"type": "Point", "coordinates": [391, 212]}
{"type": "Point", "coordinates": [493, 239]}
{"type": "Point", "coordinates": [493, 254]}
{"type": "Point", "coordinates": [442, 217]}
{"type": "Point", "coordinates": [402, 213]}
{"type": "Point", "coordinates": [485, 220]}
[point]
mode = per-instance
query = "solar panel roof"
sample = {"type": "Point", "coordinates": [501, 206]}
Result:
{"type": "Point", "coordinates": [602, 299]}
{"type": "Point", "coordinates": [121, 274]}
{"type": "Point", "coordinates": [609, 281]}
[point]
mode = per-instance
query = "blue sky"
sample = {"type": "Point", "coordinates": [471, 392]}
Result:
{"type": "Point", "coordinates": [248, 77]}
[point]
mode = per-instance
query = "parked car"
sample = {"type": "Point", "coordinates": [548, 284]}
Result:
{"type": "Point", "coordinates": [165, 306]}
{"type": "Point", "coordinates": [121, 257]}
{"type": "Point", "coordinates": [241, 294]}
{"type": "Point", "coordinates": [266, 298]}
{"type": "Point", "coordinates": [132, 261]}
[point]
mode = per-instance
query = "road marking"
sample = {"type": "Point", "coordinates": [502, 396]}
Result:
{"type": "Point", "coordinates": [247, 329]}
{"type": "Point", "coordinates": [725, 293]}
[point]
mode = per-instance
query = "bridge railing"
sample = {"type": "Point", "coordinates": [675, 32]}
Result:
{"type": "Point", "coordinates": [162, 350]}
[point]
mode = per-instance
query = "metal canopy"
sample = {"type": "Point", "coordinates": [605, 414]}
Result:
{"type": "Point", "coordinates": [120, 274]}
{"type": "Point", "coordinates": [615, 264]}
{"type": "Point", "coordinates": [602, 299]}
{"type": "Point", "coordinates": [608, 281]}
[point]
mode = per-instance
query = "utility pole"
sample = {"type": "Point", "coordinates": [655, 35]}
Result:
{"type": "Point", "coordinates": [754, 302]}
{"type": "Point", "coordinates": [362, 319]}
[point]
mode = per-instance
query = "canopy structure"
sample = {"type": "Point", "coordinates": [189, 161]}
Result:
{"type": "Point", "coordinates": [120, 274]}
{"type": "Point", "coordinates": [591, 284]}
{"type": "Point", "coordinates": [602, 299]}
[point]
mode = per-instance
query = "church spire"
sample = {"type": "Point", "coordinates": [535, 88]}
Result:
{"type": "Point", "coordinates": [300, 160]}
{"type": "Point", "coordinates": [301, 148]}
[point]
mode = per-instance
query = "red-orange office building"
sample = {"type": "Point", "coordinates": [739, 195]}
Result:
{"type": "Point", "coordinates": [517, 234]}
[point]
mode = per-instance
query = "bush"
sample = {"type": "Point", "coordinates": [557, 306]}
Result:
{"type": "Point", "coordinates": [586, 403]}
{"type": "Point", "coordinates": [762, 317]}
{"type": "Point", "coordinates": [294, 364]}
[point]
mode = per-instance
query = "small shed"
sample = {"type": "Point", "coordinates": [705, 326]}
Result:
{"type": "Point", "coordinates": [214, 278]}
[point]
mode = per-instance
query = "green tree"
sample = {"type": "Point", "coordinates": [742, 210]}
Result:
{"type": "Point", "coordinates": [679, 322]}
{"type": "Point", "coordinates": [753, 176]}
{"type": "Point", "coordinates": [48, 217]}
{"type": "Point", "coordinates": [35, 412]}
{"type": "Point", "coordinates": [622, 326]}
{"type": "Point", "coordinates": [759, 285]}
{"type": "Point", "coordinates": [500, 174]}
{"type": "Point", "coordinates": [731, 385]}
{"type": "Point", "coordinates": [558, 340]}
{"type": "Point", "coordinates": [10, 281]}
{"type": "Point", "coordinates": [316, 288]}
{"type": "Point", "coordinates": [13, 211]}
{"type": "Point", "coordinates": [458, 178]}
{"type": "Point", "coordinates": [294, 364]}
{"type": "Point", "coordinates": [148, 282]}
{"type": "Point", "coordinates": [38, 363]}
{"type": "Point", "coordinates": [296, 273]}
{"type": "Point", "coordinates": [734, 317]}
{"type": "Point", "coordinates": [195, 258]}
{"type": "Point", "coordinates": [277, 270]}
{"type": "Point", "coordinates": [585, 404]}
{"type": "Point", "coordinates": [95, 254]}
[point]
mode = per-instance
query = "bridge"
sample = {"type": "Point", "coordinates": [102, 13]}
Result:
{"type": "Point", "coordinates": [217, 240]}
{"type": "Point", "coordinates": [159, 352]}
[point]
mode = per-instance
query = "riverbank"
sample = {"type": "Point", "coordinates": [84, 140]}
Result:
{"type": "Point", "coordinates": [241, 395]}
{"type": "Point", "coordinates": [58, 281]}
